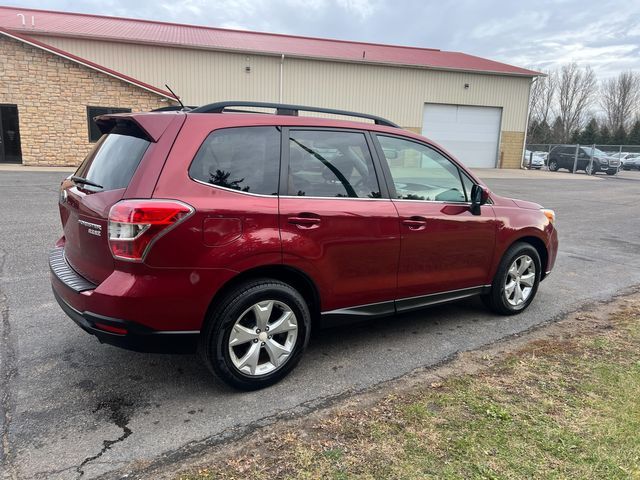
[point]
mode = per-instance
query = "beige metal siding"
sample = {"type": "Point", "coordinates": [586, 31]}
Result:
{"type": "Point", "coordinates": [398, 93]}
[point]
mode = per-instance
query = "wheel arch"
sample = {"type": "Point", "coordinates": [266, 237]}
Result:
{"type": "Point", "coordinates": [284, 273]}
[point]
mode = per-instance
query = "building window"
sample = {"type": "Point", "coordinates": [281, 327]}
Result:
{"type": "Point", "coordinates": [92, 112]}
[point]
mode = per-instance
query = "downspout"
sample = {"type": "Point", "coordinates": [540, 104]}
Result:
{"type": "Point", "coordinates": [526, 125]}
{"type": "Point", "coordinates": [281, 76]}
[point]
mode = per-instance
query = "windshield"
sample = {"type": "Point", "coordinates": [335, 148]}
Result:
{"type": "Point", "coordinates": [596, 152]}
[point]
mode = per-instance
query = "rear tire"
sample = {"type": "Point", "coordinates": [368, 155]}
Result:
{"type": "Point", "coordinates": [236, 343]}
{"type": "Point", "coordinates": [516, 281]}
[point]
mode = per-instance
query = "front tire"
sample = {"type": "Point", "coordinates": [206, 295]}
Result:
{"type": "Point", "coordinates": [256, 334]}
{"type": "Point", "coordinates": [516, 282]}
{"type": "Point", "coordinates": [553, 166]}
{"type": "Point", "coordinates": [611, 172]}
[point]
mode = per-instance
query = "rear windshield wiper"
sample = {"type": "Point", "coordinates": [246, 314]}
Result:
{"type": "Point", "coordinates": [85, 181]}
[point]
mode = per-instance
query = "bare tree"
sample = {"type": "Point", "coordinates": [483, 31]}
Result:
{"type": "Point", "coordinates": [543, 93]}
{"type": "Point", "coordinates": [619, 99]}
{"type": "Point", "coordinates": [576, 88]}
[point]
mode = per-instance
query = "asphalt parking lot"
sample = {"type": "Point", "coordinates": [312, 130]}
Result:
{"type": "Point", "coordinates": [73, 408]}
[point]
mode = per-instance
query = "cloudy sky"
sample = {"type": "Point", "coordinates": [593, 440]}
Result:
{"type": "Point", "coordinates": [540, 34]}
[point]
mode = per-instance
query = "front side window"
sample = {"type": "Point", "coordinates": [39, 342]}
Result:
{"type": "Point", "coordinates": [420, 172]}
{"type": "Point", "coordinates": [331, 164]}
{"type": "Point", "coordinates": [246, 159]}
{"type": "Point", "coordinates": [92, 112]}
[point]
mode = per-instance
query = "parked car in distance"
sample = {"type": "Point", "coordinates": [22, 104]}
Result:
{"type": "Point", "coordinates": [235, 234]}
{"type": "Point", "coordinates": [630, 161]}
{"type": "Point", "coordinates": [533, 160]}
{"type": "Point", "coordinates": [590, 160]}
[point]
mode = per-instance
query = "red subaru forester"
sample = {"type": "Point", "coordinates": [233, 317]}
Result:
{"type": "Point", "coordinates": [236, 233]}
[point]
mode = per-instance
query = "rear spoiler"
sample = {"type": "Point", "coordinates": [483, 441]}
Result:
{"type": "Point", "coordinates": [151, 125]}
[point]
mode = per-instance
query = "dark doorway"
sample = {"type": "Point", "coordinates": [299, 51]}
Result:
{"type": "Point", "coordinates": [10, 151]}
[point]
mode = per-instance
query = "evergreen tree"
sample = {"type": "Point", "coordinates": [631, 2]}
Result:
{"type": "Point", "coordinates": [604, 138]}
{"type": "Point", "coordinates": [589, 135]}
{"type": "Point", "coordinates": [557, 131]}
{"type": "Point", "coordinates": [544, 133]}
{"type": "Point", "coordinates": [574, 136]}
{"type": "Point", "coordinates": [634, 134]}
{"type": "Point", "coordinates": [619, 136]}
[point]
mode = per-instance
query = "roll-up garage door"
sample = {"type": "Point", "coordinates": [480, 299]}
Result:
{"type": "Point", "coordinates": [470, 133]}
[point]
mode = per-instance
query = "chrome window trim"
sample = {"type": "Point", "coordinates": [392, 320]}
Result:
{"type": "Point", "coordinates": [337, 198]}
{"type": "Point", "coordinates": [431, 201]}
{"type": "Point", "coordinates": [213, 185]}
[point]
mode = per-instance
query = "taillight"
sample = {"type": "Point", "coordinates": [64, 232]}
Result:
{"type": "Point", "coordinates": [135, 224]}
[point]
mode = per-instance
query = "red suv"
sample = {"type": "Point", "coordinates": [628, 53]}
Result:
{"type": "Point", "coordinates": [237, 233]}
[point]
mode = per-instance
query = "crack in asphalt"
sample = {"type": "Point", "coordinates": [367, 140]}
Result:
{"type": "Point", "coordinates": [119, 415]}
{"type": "Point", "coordinates": [8, 370]}
{"type": "Point", "coordinates": [235, 432]}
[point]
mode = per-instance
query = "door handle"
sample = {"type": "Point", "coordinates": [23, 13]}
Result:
{"type": "Point", "coordinates": [415, 223]}
{"type": "Point", "coordinates": [304, 222]}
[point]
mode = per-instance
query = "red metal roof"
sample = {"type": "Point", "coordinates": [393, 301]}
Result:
{"type": "Point", "coordinates": [150, 32]}
{"type": "Point", "coordinates": [85, 62]}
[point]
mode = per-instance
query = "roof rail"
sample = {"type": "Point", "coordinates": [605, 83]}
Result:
{"type": "Point", "coordinates": [285, 109]}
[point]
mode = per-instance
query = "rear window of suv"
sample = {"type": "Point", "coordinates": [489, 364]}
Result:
{"type": "Point", "coordinates": [246, 159]}
{"type": "Point", "coordinates": [114, 159]}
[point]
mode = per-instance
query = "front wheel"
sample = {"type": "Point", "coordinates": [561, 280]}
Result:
{"type": "Point", "coordinates": [516, 281]}
{"type": "Point", "coordinates": [553, 166]}
{"type": "Point", "coordinates": [611, 172]}
{"type": "Point", "coordinates": [256, 334]}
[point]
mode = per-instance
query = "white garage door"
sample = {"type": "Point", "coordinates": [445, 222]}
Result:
{"type": "Point", "coordinates": [469, 133]}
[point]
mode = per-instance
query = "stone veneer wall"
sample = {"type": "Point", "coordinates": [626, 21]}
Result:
{"type": "Point", "coordinates": [511, 145]}
{"type": "Point", "coordinates": [52, 95]}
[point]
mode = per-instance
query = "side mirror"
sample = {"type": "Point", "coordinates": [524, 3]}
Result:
{"type": "Point", "coordinates": [479, 196]}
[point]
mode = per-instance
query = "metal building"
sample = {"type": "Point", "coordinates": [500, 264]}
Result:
{"type": "Point", "coordinates": [475, 107]}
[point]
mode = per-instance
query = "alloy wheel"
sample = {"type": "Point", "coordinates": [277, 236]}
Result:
{"type": "Point", "coordinates": [520, 280]}
{"type": "Point", "coordinates": [263, 338]}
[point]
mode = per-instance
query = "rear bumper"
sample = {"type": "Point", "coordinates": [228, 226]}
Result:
{"type": "Point", "coordinates": [80, 300]}
{"type": "Point", "coordinates": [138, 338]}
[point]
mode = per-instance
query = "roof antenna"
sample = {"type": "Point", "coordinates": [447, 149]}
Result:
{"type": "Point", "coordinates": [175, 96]}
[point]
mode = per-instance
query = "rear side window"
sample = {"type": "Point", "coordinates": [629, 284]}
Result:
{"type": "Point", "coordinates": [246, 159]}
{"type": "Point", "coordinates": [331, 164]}
{"type": "Point", "coordinates": [114, 159]}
